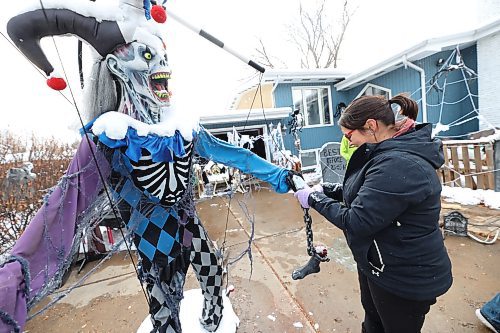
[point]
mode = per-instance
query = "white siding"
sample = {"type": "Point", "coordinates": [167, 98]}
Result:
{"type": "Point", "coordinates": [488, 63]}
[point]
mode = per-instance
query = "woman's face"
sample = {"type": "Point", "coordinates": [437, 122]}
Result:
{"type": "Point", "coordinates": [356, 137]}
{"type": "Point", "coordinates": [367, 134]}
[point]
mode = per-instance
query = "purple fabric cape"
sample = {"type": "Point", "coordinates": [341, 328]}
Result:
{"type": "Point", "coordinates": [56, 220]}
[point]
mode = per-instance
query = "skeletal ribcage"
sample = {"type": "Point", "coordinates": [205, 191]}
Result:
{"type": "Point", "coordinates": [164, 180]}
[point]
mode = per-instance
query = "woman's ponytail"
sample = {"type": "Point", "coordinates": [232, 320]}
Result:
{"type": "Point", "coordinates": [409, 107]}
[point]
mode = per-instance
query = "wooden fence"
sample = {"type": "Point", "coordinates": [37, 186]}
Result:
{"type": "Point", "coordinates": [468, 164]}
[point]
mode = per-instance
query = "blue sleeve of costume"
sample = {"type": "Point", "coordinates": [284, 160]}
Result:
{"type": "Point", "coordinates": [243, 159]}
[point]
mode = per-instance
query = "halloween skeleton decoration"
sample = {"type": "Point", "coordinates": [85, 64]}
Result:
{"type": "Point", "coordinates": [142, 154]}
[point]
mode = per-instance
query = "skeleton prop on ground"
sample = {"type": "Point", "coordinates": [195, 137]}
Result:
{"type": "Point", "coordinates": [139, 155]}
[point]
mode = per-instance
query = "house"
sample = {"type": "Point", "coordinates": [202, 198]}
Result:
{"type": "Point", "coordinates": [455, 80]}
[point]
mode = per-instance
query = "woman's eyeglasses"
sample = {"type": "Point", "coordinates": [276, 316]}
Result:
{"type": "Point", "coordinates": [348, 135]}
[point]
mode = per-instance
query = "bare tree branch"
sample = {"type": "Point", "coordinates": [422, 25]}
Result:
{"type": "Point", "coordinates": [263, 56]}
{"type": "Point", "coordinates": [317, 41]}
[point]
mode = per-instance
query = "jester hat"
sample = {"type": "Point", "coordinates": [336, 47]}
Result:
{"type": "Point", "coordinates": [103, 29]}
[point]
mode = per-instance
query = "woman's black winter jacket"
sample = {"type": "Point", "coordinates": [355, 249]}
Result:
{"type": "Point", "coordinates": [390, 214]}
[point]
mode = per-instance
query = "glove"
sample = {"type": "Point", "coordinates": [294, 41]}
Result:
{"type": "Point", "coordinates": [303, 196]}
{"type": "Point", "coordinates": [333, 191]}
{"type": "Point", "coordinates": [318, 188]}
{"type": "Point", "coordinates": [289, 179]}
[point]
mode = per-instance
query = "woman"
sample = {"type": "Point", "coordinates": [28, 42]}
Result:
{"type": "Point", "coordinates": [390, 212]}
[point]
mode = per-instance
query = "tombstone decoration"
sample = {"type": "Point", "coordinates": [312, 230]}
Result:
{"type": "Point", "coordinates": [455, 224]}
{"type": "Point", "coordinates": [332, 163]}
{"type": "Point", "coordinates": [17, 181]}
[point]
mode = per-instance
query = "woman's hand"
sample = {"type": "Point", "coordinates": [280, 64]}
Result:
{"type": "Point", "coordinates": [333, 191]}
{"type": "Point", "coordinates": [303, 196]}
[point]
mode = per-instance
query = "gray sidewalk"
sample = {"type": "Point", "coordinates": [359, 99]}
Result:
{"type": "Point", "coordinates": [266, 299]}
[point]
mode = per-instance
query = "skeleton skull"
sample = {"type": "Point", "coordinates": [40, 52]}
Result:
{"type": "Point", "coordinates": [143, 72]}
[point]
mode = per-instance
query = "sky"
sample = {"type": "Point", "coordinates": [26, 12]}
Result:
{"type": "Point", "coordinates": [205, 78]}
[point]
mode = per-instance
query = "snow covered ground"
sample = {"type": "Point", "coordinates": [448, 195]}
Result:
{"type": "Point", "coordinates": [467, 196]}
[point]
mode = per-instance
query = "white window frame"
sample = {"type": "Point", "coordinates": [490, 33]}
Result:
{"type": "Point", "coordinates": [316, 154]}
{"type": "Point", "coordinates": [321, 124]}
{"type": "Point", "coordinates": [371, 85]}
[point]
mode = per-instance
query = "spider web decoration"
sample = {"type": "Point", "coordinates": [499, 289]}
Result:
{"type": "Point", "coordinates": [447, 106]}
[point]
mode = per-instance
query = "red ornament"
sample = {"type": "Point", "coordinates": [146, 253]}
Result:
{"type": "Point", "coordinates": [158, 13]}
{"type": "Point", "coordinates": [56, 83]}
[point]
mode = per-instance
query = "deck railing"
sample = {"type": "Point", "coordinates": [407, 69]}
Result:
{"type": "Point", "coordinates": [468, 163]}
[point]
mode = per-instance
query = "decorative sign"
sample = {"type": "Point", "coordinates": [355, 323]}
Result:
{"type": "Point", "coordinates": [332, 163]}
{"type": "Point", "coordinates": [455, 224]}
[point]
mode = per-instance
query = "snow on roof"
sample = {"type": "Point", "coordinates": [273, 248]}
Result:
{"type": "Point", "coordinates": [420, 51]}
{"type": "Point", "coordinates": [244, 115]}
{"type": "Point", "coordinates": [326, 75]}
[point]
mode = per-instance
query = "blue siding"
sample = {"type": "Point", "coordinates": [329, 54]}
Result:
{"type": "Point", "coordinates": [401, 80]}
{"type": "Point", "coordinates": [456, 104]}
{"type": "Point", "coordinates": [456, 91]}
{"type": "Point", "coordinates": [398, 81]}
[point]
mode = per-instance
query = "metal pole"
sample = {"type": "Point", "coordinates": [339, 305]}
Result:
{"type": "Point", "coordinates": [215, 41]}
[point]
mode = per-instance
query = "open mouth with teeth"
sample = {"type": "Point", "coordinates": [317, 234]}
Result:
{"type": "Point", "coordinates": [159, 85]}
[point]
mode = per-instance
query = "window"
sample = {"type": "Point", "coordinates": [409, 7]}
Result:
{"type": "Point", "coordinates": [309, 159]}
{"type": "Point", "coordinates": [371, 90]}
{"type": "Point", "coordinates": [314, 104]}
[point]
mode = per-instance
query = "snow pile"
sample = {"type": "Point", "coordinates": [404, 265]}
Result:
{"type": "Point", "coordinates": [191, 307]}
{"type": "Point", "coordinates": [467, 196]}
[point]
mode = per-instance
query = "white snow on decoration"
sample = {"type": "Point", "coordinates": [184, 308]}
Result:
{"type": "Point", "coordinates": [439, 128]}
{"type": "Point", "coordinates": [271, 317]}
{"type": "Point", "coordinates": [467, 196]}
{"type": "Point", "coordinates": [298, 324]}
{"type": "Point", "coordinates": [115, 125]}
{"type": "Point", "coordinates": [129, 14]}
{"type": "Point", "coordinates": [143, 35]}
{"type": "Point", "coordinates": [191, 308]}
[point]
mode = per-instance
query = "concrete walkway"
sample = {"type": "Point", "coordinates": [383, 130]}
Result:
{"type": "Point", "coordinates": [266, 299]}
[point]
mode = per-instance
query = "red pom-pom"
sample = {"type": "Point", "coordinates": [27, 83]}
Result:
{"type": "Point", "coordinates": [158, 13]}
{"type": "Point", "coordinates": [56, 83]}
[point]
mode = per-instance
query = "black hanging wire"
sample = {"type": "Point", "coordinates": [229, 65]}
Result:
{"type": "Point", "coordinates": [36, 68]}
{"type": "Point", "coordinates": [80, 62]}
{"type": "Point", "coordinates": [258, 91]}
{"type": "Point", "coordinates": [101, 177]}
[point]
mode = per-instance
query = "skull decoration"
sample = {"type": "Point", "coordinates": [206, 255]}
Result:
{"type": "Point", "coordinates": [144, 74]}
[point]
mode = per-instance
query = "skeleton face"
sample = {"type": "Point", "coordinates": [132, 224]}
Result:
{"type": "Point", "coordinates": [144, 73]}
